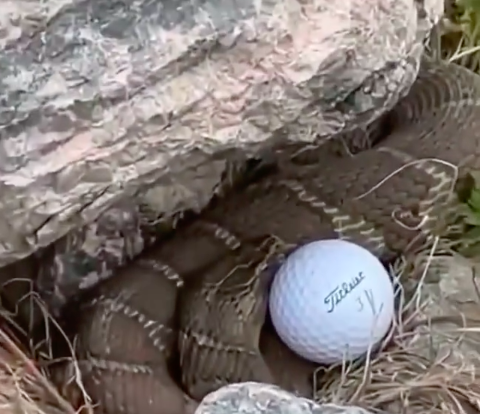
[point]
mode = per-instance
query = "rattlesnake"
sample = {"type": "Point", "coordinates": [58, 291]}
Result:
{"type": "Point", "coordinates": [220, 264]}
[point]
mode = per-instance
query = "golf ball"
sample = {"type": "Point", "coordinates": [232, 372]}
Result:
{"type": "Point", "coordinates": [331, 300]}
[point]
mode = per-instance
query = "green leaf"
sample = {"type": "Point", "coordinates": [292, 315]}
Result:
{"type": "Point", "coordinates": [472, 218]}
{"type": "Point", "coordinates": [473, 234]}
{"type": "Point", "coordinates": [474, 5]}
{"type": "Point", "coordinates": [474, 200]}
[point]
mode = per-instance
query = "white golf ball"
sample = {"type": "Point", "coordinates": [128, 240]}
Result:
{"type": "Point", "coordinates": [331, 300]}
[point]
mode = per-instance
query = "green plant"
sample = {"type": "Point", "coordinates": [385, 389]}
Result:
{"type": "Point", "coordinates": [464, 222]}
{"type": "Point", "coordinates": [460, 33]}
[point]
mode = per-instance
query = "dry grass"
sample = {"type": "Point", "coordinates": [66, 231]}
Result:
{"type": "Point", "coordinates": [25, 387]}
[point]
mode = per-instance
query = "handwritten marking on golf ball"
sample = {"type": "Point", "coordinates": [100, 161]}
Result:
{"type": "Point", "coordinates": [370, 298]}
{"type": "Point", "coordinates": [333, 299]}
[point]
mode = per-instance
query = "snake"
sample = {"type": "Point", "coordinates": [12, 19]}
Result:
{"type": "Point", "coordinates": [190, 315]}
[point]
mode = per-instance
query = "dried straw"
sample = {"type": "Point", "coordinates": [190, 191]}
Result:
{"type": "Point", "coordinates": [24, 385]}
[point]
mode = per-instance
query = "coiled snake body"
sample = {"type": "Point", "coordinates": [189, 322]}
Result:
{"type": "Point", "coordinates": [136, 338]}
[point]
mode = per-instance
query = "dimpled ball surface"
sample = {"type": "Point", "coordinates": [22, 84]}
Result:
{"type": "Point", "coordinates": [331, 300]}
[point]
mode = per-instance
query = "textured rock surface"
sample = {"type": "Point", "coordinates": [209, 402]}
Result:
{"type": "Point", "coordinates": [103, 101]}
{"type": "Point", "coordinates": [451, 298]}
{"type": "Point", "coordinates": [256, 398]}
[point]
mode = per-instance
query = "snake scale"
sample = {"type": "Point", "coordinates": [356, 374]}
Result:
{"type": "Point", "coordinates": [190, 315]}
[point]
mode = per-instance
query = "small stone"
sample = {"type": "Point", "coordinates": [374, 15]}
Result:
{"type": "Point", "coordinates": [258, 398]}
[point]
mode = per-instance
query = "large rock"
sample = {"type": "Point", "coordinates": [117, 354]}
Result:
{"type": "Point", "coordinates": [104, 100]}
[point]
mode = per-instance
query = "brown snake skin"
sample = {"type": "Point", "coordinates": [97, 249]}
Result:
{"type": "Point", "coordinates": [384, 198]}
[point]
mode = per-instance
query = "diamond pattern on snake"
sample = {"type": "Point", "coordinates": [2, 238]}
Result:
{"type": "Point", "coordinates": [190, 315]}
